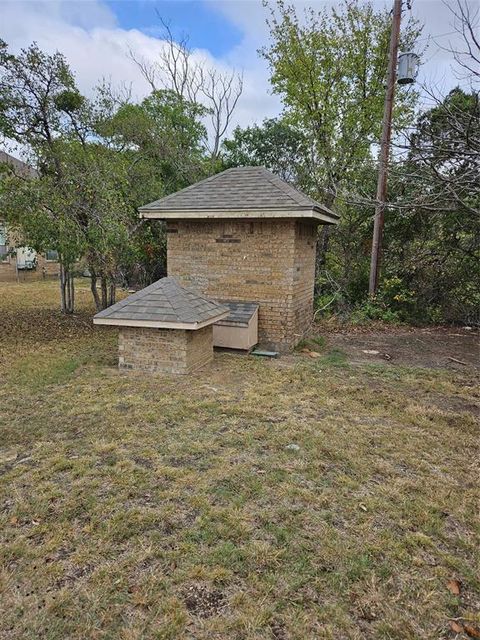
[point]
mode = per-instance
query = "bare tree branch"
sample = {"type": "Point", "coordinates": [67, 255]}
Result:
{"type": "Point", "coordinates": [177, 70]}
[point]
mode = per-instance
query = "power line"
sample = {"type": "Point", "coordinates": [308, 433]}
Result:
{"type": "Point", "coordinates": [439, 35]}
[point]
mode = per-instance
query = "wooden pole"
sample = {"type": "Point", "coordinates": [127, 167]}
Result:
{"type": "Point", "coordinates": [385, 149]}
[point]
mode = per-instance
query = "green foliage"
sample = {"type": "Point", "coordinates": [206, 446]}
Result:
{"type": "Point", "coordinates": [97, 161]}
{"type": "Point", "coordinates": [69, 101]}
{"type": "Point", "coordinates": [162, 143]}
{"type": "Point", "coordinates": [31, 84]}
{"type": "Point", "coordinates": [33, 210]}
{"type": "Point", "coordinates": [276, 145]}
{"type": "Point", "coordinates": [329, 69]}
{"type": "Point", "coordinates": [369, 310]}
{"type": "Point", "coordinates": [167, 131]}
{"type": "Point", "coordinates": [431, 241]}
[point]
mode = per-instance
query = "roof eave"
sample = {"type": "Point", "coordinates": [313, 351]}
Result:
{"type": "Point", "coordinates": [154, 324]}
{"type": "Point", "coordinates": [321, 214]}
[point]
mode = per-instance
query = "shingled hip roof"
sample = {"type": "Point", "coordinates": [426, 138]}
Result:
{"type": "Point", "coordinates": [240, 192]}
{"type": "Point", "coordinates": [163, 305]}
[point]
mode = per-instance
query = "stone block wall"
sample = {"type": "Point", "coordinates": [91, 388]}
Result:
{"type": "Point", "coordinates": [164, 350]}
{"type": "Point", "coordinates": [269, 261]}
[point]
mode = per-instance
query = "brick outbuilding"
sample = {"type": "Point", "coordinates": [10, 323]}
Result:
{"type": "Point", "coordinates": [246, 235]}
{"type": "Point", "coordinates": [164, 328]}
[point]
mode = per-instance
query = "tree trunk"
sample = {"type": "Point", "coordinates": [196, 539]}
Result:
{"type": "Point", "coordinates": [112, 293]}
{"type": "Point", "coordinates": [71, 292]}
{"type": "Point", "coordinates": [67, 289]}
{"type": "Point", "coordinates": [62, 288]}
{"type": "Point", "coordinates": [322, 245]}
{"type": "Point", "coordinates": [108, 290]}
{"type": "Point", "coordinates": [93, 288]}
{"type": "Point", "coordinates": [104, 290]}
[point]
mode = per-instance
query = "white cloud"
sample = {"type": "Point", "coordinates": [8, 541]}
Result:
{"type": "Point", "coordinates": [96, 47]}
{"type": "Point", "coordinates": [88, 34]}
{"type": "Point", "coordinates": [436, 16]}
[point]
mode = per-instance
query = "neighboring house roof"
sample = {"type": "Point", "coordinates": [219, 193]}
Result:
{"type": "Point", "coordinates": [20, 168]}
{"type": "Point", "coordinates": [240, 192]}
{"type": "Point", "coordinates": [163, 305]}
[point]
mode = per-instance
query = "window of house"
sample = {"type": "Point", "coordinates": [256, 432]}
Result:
{"type": "Point", "coordinates": [51, 255]}
{"type": "Point", "coordinates": [3, 244]}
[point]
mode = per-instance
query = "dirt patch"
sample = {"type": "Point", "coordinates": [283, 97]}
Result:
{"type": "Point", "coordinates": [456, 349]}
{"type": "Point", "coordinates": [202, 602]}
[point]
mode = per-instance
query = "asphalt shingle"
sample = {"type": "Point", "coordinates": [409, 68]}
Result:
{"type": "Point", "coordinates": [240, 313]}
{"type": "Point", "coordinates": [164, 302]}
{"type": "Point", "coordinates": [237, 189]}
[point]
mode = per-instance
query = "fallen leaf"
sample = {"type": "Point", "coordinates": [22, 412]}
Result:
{"type": "Point", "coordinates": [14, 520]}
{"type": "Point", "coordinates": [473, 632]}
{"type": "Point", "coordinates": [454, 587]}
{"type": "Point", "coordinates": [310, 353]}
{"type": "Point", "coordinates": [455, 627]}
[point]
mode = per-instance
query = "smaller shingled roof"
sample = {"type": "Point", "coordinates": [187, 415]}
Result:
{"type": "Point", "coordinates": [239, 192]}
{"type": "Point", "coordinates": [240, 313]}
{"type": "Point", "coordinates": [163, 305]}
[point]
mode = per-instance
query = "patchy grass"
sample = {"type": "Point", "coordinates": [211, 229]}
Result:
{"type": "Point", "coordinates": [312, 342]}
{"type": "Point", "coordinates": [146, 507]}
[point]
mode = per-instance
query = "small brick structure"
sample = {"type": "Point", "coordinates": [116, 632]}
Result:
{"type": "Point", "coordinates": [246, 235]}
{"type": "Point", "coordinates": [164, 328]}
{"type": "Point", "coordinates": [164, 350]}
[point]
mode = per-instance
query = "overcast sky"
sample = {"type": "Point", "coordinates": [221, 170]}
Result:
{"type": "Point", "coordinates": [95, 36]}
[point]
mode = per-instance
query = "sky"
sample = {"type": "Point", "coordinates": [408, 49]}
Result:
{"type": "Point", "coordinates": [96, 35]}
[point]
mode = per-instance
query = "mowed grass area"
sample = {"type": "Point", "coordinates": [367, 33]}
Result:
{"type": "Point", "coordinates": [141, 507]}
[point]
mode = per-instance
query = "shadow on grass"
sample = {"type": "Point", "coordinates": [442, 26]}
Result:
{"type": "Point", "coordinates": [334, 358]}
{"type": "Point", "coordinates": [42, 368]}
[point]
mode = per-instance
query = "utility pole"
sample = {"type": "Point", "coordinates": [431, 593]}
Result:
{"type": "Point", "coordinates": [385, 149]}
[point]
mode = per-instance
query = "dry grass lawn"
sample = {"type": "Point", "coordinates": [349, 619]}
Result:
{"type": "Point", "coordinates": [142, 507]}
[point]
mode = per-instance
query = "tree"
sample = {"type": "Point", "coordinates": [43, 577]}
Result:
{"type": "Point", "coordinates": [192, 80]}
{"type": "Point", "coordinates": [330, 70]}
{"type": "Point", "coordinates": [75, 204]}
{"type": "Point", "coordinates": [97, 161]}
{"type": "Point", "coordinates": [165, 130]}
{"type": "Point", "coordinates": [433, 237]}
{"type": "Point", "coordinates": [39, 101]}
{"type": "Point", "coordinates": [162, 143]}
{"type": "Point", "coordinates": [444, 152]}
{"type": "Point", "coordinates": [466, 22]}
{"type": "Point", "coordinates": [275, 145]}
